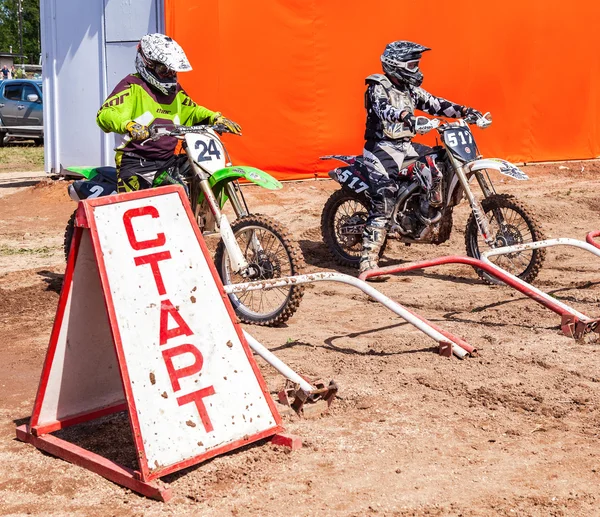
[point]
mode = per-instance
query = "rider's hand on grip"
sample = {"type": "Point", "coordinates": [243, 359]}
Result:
{"type": "Point", "coordinates": [230, 125]}
{"type": "Point", "coordinates": [471, 115]}
{"type": "Point", "coordinates": [409, 120]}
{"type": "Point", "coordinates": [137, 131]}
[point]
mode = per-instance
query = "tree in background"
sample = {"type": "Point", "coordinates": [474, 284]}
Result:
{"type": "Point", "coordinates": [9, 28]}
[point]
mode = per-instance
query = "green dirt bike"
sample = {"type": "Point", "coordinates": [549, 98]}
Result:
{"type": "Point", "coordinates": [253, 247]}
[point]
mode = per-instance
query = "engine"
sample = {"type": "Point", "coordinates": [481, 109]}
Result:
{"type": "Point", "coordinates": [415, 218]}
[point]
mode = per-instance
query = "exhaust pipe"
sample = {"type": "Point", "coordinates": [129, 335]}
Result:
{"type": "Point", "coordinates": [431, 221]}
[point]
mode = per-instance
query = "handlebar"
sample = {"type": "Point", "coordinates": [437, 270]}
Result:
{"type": "Point", "coordinates": [424, 125]}
{"type": "Point", "coordinates": [159, 130]}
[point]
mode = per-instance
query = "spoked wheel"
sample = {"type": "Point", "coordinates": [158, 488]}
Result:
{"type": "Point", "coordinates": [342, 224]}
{"type": "Point", "coordinates": [68, 238]}
{"type": "Point", "coordinates": [511, 223]}
{"type": "Point", "coordinates": [270, 254]}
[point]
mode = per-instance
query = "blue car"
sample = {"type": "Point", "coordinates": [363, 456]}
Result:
{"type": "Point", "coordinates": [21, 110]}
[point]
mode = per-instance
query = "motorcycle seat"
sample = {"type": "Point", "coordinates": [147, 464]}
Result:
{"type": "Point", "coordinates": [108, 173]}
{"type": "Point", "coordinates": [422, 149]}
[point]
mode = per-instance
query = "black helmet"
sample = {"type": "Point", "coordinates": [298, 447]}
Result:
{"type": "Point", "coordinates": [400, 61]}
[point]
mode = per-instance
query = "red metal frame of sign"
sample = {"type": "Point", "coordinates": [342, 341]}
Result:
{"type": "Point", "coordinates": [142, 480]}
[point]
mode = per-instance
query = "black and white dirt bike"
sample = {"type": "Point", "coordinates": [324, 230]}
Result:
{"type": "Point", "coordinates": [498, 220]}
{"type": "Point", "coordinates": [253, 247]}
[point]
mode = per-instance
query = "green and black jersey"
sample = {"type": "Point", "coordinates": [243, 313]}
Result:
{"type": "Point", "coordinates": [133, 99]}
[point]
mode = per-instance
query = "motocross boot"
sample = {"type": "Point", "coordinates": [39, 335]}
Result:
{"type": "Point", "coordinates": [373, 239]}
{"type": "Point", "coordinates": [436, 197]}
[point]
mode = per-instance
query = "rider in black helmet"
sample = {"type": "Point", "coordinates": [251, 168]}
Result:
{"type": "Point", "coordinates": [390, 101]}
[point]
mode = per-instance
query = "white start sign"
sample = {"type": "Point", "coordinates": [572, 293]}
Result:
{"type": "Point", "coordinates": [190, 381]}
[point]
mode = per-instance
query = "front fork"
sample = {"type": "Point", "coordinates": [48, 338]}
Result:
{"type": "Point", "coordinates": [238, 261]}
{"type": "Point", "coordinates": [478, 212]}
{"type": "Point", "coordinates": [241, 209]}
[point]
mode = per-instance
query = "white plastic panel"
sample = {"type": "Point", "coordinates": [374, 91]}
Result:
{"type": "Point", "coordinates": [80, 69]}
{"type": "Point", "coordinates": [120, 61]}
{"type": "Point", "coordinates": [129, 20]}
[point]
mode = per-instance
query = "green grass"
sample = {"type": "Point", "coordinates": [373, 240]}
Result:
{"type": "Point", "coordinates": [21, 157]}
{"type": "Point", "coordinates": [43, 250]}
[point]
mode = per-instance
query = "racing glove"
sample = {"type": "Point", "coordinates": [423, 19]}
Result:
{"type": "Point", "coordinates": [231, 126]}
{"type": "Point", "coordinates": [471, 114]}
{"type": "Point", "coordinates": [409, 120]}
{"type": "Point", "coordinates": [137, 131]}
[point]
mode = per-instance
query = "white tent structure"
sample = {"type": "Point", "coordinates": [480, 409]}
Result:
{"type": "Point", "coordinates": [87, 47]}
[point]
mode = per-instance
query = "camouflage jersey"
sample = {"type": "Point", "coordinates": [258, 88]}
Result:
{"type": "Point", "coordinates": [133, 99]}
{"type": "Point", "coordinates": [385, 102]}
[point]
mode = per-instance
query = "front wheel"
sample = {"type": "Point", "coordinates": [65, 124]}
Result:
{"type": "Point", "coordinates": [270, 254]}
{"type": "Point", "coordinates": [510, 223]}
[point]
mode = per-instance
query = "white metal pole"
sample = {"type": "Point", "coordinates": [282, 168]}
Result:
{"type": "Point", "coordinates": [277, 363]}
{"type": "Point", "coordinates": [355, 282]}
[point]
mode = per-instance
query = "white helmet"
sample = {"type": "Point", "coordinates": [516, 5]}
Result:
{"type": "Point", "coordinates": [158, 60]}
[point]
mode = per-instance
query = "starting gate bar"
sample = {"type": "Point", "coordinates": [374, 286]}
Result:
{"type": "Point", "coordinates": [591, 236]}
{"type": "Point", "coordinates": [573, 323]}
{"type": "Point", "coordinates": [447, 342]}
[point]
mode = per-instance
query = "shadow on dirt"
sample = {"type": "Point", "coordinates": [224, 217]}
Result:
{"type": "Point", "coordinates": [328, 344]}
{"type": "Point", "coordinates": [553, 293]}
{"type": "Point", "coordinates": [453, 317]}
{"type": "Point", "coordinates": [316, 254]}
{"type": "Point", "coordinates": [427, 274]}
{"type": "Point", "coordinates": [110, 437]}
{"type": "Point", "coordinates": [21, 421]}
{"type": "Point", "coordinates": [25, 181]}
{"type": "Point", "coordinates": [54, 281]}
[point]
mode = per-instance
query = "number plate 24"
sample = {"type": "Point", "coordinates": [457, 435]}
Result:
{"type": "Point", "coordinates": [207, 150]}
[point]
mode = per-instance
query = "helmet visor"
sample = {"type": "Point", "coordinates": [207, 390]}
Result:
{"type": "Point", "coordinates": [412, 66]}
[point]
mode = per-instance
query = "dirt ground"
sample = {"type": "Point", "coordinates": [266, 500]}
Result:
{"type": "Point", "coordinates": [514, 431]}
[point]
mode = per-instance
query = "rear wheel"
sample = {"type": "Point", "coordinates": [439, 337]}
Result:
{"type": "Point", "coordinates": [271, 254]}
{"type": "Point", "coordinates": [510, 223]}
{"type": "Point", "coordinates": [342, 224]}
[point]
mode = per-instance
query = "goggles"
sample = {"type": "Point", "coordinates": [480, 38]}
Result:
{"type": "Point", "coordinates": [412, 66]}
{"type": "Point", "coordinates": [162, 70]}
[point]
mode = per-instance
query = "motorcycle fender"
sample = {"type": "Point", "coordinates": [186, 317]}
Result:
{"type": "Point", "coordinates": [77, 172]}
{"type": "Point", "coordinates": [251, 174]}
{"type": "Point", "coordinates": [222, 177]}
{"type": "Point", "coordinates": [504, 167]}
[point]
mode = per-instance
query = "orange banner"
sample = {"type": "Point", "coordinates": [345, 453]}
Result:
{"type": "Point", "coordinates": [291, 72]}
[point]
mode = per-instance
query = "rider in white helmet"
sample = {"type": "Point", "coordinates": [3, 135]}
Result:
{"type": "Point", "coordinates": [152, 95]}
